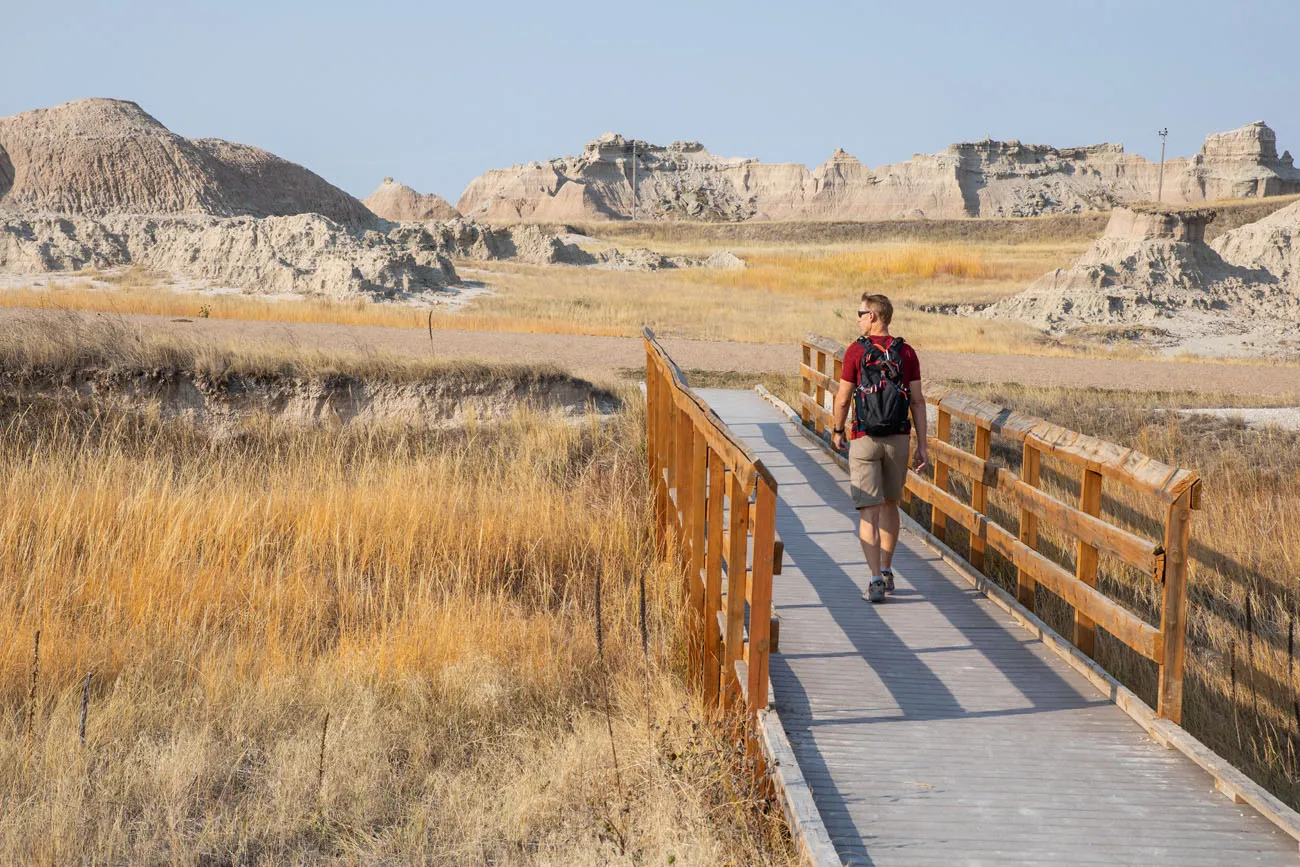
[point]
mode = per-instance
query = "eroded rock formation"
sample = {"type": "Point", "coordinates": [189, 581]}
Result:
{"type": "Point", "coordinates": [304, 254]}
{"type": "Point", "coordinates": [975, 179]}
{"type": "Point", "coordinates": [400, 203]}
{"type": "Point", "coordinates": [96, 157]}
{"type": "Point", "coordinates": [1152, 267]}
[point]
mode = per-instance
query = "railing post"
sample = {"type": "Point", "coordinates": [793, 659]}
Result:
{"type": "Point", "coordinates": [1173, 616]}
{"type": "Point", "coordinates": [698, 504]}
{"type": "Point", "coordinates": [1030, 466]}
{"type": "Point", "coordinates": [821, 391]}
{"type": "Point", "coordinates": [713, 580]}
{"type": "Point", "coordinates": [737, 556]}
{"type": "Point", "coordinates": [943, 433]}
{"type": "Point", "coordinates": [979, 495]}
{"type": "Point", "coordinates": [1086, 562]}
{"type": "Point", "coordinates": [760, 594]}
{"type": "Point", "coordinates": [663, 427]}
{"type": "Point", "coordinates": [805, 387]}
{"type": "Point", "coordinates": [650, 386]}
{"type": "Point", "coordinates": [837, 369]}
{"type": "Point", "coordinates": [654, 386]}
{"type": "Point", "coordinates": [685, 440]}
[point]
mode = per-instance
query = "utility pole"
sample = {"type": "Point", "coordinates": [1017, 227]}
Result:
{"type": "Point", "coordinates": [634, 180]}
{"type": "Point", "coordinates": [1160, 190]}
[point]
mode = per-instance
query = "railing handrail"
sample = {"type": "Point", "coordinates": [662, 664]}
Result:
{"type": "Point", "coordinates": [1175, 488]}
{"type": "Point", "coordinates": [717, 425]}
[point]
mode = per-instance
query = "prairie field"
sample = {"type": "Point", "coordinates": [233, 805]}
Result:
{"type": "Point", "coordinates": [785, 291]}
{"type": "Point", "coordinates": [357, 644]}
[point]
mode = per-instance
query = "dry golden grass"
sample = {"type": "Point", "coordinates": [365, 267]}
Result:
{"type": "Point", "coordinates": [910, 274]}
{"type": "Point", "coordinates": [432, 593]}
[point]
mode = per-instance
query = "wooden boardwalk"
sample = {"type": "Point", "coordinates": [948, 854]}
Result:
{"type": "Point", "coordinates": [935, 730]}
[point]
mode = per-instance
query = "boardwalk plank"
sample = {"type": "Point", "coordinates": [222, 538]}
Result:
{"type": "Point", "coordinates": [935, 730]}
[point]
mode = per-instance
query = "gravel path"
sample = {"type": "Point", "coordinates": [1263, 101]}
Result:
{"type": "Point", "coordinates": [602, 358]}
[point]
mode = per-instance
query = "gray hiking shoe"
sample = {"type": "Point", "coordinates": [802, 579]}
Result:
{"type": "Point", "coordinates": [875, 591]}
{"type": "Point", "coordinates": [889, 580]}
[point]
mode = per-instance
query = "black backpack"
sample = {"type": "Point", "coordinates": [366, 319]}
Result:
{"type": "Point", "coordinates": [881, 400]}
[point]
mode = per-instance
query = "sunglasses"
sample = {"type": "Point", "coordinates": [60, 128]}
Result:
{"type": "Point", "coordinates": [862, 313]}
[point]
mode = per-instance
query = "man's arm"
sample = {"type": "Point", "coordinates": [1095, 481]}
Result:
{"type": "Point", "coordinates": [919, 424]}
{"type": "Point", "coordinates": [842, 399]}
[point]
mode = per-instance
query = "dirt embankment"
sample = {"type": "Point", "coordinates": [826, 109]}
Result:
{"type": "Point", "coordinates": [118, 366]}
{"type": "Point", "coordinates": [223, 402]}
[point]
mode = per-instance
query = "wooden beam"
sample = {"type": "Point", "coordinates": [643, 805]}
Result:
{"type": "Point", "coordinates": [819, 379]}
{"type": "Point", "coordinates": [1030, 465]}
{"type": "Point", "coordinates": [819, 386]}
{"type": "Point", "coordinates": [699, 513]}
{"type": "Point", "coordinates": [1124, 625]}
{"type": "Point", "coordinates": [805, 386]}
{"type": "Point", "coordinates": [1086, 561]}
{"type": "Point", "coordinates": [685, 482]}
{"type": "Point", "coordinates": [1132, 549]}
{"type": "Point", "coordinates": [942, 433]}
{"type": "Point", "coordinates": [737, 555]}
{"type": "Point", "coordinates": [778, 547]}
{"type": "Point", "coordinates": [831, 347]}
{"type": "Point", "coordinates": [979, 495]}
{"type": "Point", "coordinates": [760, 596]}
{"type": "Point", "coordinates": [713, 554]}
{"type": "Point", "coordinates": [817, 412]}
{"type": "Point", "coordinates": [651, 407]}
{"type": "Point", "coordinates": [1173, 615]}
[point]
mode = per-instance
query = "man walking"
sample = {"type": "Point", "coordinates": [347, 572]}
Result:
{"type": "Point", "coordinates": [881, 376]}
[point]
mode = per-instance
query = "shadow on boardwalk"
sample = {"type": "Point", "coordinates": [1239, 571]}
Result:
{"type": "Point", "coordinates": [918, 693]}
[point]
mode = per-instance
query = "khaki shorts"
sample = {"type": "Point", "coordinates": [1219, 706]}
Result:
{"type": "Point", "coordinates": [877, 469]}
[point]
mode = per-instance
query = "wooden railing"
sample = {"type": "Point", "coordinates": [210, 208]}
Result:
{"type": "Point", "coordinates": [711, 497]}
{"type": "Point", "coordinates": [1176, 493]}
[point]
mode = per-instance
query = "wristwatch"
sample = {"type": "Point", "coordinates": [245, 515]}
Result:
{"type": "Point", "coordinates": [836, 430]}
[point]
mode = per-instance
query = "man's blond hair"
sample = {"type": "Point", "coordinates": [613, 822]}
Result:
{"type": "Point", "coordinates": [879, 305]}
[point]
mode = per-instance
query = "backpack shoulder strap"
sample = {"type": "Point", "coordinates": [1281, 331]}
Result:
{"type": "Point", "coordinates": [870, 351]}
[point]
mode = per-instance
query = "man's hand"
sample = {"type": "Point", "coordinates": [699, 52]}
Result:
{"type": "Point", "coordinates": [921, 458]}
{"type": "Point", "coordinates": [837, 441]}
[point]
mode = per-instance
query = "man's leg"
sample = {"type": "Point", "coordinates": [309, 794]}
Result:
{"type": "Point", "coordinates": [870, 536]}
{"type": "Point", "coordinates": [893, 479]}
{"type": "Point", "coordinates": [864, 472]}
{"type": "Point", "coordinates": [887, 523]}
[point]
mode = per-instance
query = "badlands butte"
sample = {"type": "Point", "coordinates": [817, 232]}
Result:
{"type": "Point", "coordinates": [100, 184]}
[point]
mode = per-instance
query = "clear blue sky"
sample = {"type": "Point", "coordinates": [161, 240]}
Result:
{"type": "Point", "coordinates": [435, 94]}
